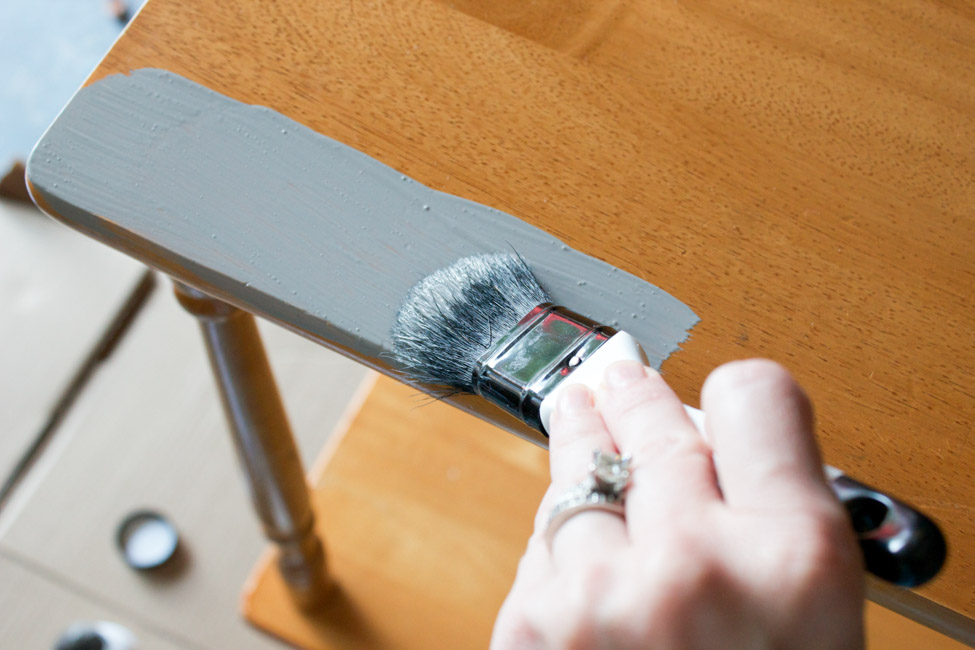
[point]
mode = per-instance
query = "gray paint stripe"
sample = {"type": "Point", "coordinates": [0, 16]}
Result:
{"type": "Point", "coordinates": [302, 228]}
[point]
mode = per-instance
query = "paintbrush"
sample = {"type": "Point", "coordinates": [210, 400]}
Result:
{"type": "Point", "coordinates": [485, 326]}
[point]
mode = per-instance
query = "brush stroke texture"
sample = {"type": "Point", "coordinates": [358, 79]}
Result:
{"type": "Point", "coordinates": [299, 227]}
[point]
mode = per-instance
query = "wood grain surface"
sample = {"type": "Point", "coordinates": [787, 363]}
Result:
{"type": "Point", "coordinates": [424, 511]}
{"type": "Point", "coordinates": [801, 177]}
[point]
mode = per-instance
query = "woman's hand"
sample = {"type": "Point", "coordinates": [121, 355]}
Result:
{"type": "Point", "coordinates": [766, 560]}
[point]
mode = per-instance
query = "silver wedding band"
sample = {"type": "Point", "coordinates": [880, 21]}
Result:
{"type": "Point", "coordinates": [573, 504]}
{"type": "Point", "coordinates": [604, 489]}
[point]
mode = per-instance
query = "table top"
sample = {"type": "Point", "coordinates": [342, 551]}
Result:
{"type": "Point", "coordinates": [801, 178]}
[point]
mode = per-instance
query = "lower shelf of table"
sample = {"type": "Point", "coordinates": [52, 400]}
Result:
{"type": "Point", "coordinates": [425, 511]}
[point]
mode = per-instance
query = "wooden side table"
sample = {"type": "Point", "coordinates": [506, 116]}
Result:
{"type": "Point", "coordinates": [800, 178]}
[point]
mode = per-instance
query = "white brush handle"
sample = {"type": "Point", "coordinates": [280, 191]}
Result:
{"type": "Point", "coordinates": [899, 544]}
{"type": "Point", "coordinates": [621, 347]}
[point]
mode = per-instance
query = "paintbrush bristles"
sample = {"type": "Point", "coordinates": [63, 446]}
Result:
{"type": "Point", "coordinates": [455, 315]}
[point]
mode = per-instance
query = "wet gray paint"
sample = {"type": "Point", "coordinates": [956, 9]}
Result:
{"type": "Point", "coordinates": [297, 226]}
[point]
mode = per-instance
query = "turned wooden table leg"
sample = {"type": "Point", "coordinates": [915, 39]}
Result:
{"type": "Point", "coordinates": [263, 440]}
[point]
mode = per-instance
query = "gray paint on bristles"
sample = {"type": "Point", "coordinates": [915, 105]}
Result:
{"type": "Point", "coordinates": [298, 227]}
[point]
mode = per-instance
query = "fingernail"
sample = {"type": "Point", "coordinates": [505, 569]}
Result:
{"type": "Point", "coordinates": [575, 399]}
{"type": "Point", "coordinates": [623, 373]}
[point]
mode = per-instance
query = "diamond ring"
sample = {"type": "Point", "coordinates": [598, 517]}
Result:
{"type": "Point", "coordinates": [604, 489]}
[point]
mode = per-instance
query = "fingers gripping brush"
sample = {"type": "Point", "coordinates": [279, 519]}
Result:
{"type": "Point", "coordinates": [483, 325]}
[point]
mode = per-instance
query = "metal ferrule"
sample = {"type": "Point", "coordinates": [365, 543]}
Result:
{"type": "Point", "coordinates": [528, 362]}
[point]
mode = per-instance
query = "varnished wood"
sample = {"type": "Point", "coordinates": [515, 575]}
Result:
{"type": "Point", "coordinates": [886, 630]}
{"type": "Point", "coordinates": [429, 512]}
{"type": "Point", "coordinates": [802, 177]}
{"type": "Point", "coordinates": [263, 440]}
